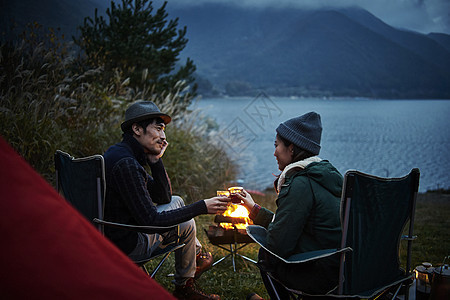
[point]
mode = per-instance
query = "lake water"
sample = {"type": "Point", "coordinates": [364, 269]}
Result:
{"type": "Point", "coordinates": [381, 137]}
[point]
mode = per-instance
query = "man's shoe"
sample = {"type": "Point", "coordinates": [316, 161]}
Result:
{"type": "Point", "coordinates": [189, 291]}
{"type": "Point", "coordinates": [254, 296]}
{"type": "Point", "coordinates": [204, 263]}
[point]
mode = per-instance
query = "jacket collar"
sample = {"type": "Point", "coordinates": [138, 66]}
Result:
{"type": "Point", "coordinates": [136, 148]}
{"type": "Point", "coordinates": [295, 166]}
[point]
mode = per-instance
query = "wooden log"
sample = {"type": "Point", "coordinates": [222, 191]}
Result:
{"type": "Point", "coordinates": [225, 219]}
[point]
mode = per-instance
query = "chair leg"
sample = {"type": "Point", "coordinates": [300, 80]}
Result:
{"type": "Point", "coordinates": [273, 288]}
{"type": "Point", "coordinates": [279, 291]}
{"type": "Point", "coordinates": [159, 265]}
{"type": "Point", "coordinates": [144, 269]}
{"type": "Point", "coordinates": [394, 296]}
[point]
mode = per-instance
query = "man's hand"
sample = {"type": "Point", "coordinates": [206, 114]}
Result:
{"type": "Point", "coordinates": [217, 205]}
{"type": "Point", "coordinates": [154, 158]}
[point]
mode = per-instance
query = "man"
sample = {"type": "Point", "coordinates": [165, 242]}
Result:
{"type": "Point", "coordinates": [135, 197]}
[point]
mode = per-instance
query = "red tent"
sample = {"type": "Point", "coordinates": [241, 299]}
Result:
{"type": "Point", "coordinates": [49, 251]}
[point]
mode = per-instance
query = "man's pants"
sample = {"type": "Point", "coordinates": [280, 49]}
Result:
{"type": "Point", "coordinates": [185, 257]}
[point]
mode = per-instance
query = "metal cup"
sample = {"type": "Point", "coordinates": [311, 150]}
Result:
{"type": "Point", "coordinates": [223, 193]}
{"type": "Point", "coordinates": [234, 190]}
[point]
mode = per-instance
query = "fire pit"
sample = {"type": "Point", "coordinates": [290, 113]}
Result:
{"type": "Point", "coordinates": [231, 231]}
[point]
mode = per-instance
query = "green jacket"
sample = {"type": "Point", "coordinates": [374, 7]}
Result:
{"type": "Point", "coordinates": [306, 219]}
{"type": "Point", "coordinates": [307, 215]}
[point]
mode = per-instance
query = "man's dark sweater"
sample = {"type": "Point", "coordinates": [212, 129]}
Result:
{"type": "Point", "coordinates": [131, 193]}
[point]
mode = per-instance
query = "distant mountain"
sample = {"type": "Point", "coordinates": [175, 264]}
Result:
{"type": "Point", "coordinates": [441, 38]}
{"type": "Point", "coordinates": [284, 51]}
{"type": "Point", "coordinates": [432, 48]}
{"type": "Point", "coordinates": [63, 14]}
{"type": "Point", "coordinates": [327, 52]}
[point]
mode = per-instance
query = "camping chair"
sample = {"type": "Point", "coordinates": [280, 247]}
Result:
{"type": "Point", "coordinates": [82, 182]}
{"type": "Point", "coordinates": [374, 213]}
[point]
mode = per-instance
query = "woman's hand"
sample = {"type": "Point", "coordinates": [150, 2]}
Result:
{"type": "Point", "coordinates": [246, 199]}
{"type": "Point", "coordinates": [217, 205]}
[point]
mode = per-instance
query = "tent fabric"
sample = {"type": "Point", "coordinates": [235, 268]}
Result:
{"type": "Point", "coordinates": [49, 250]}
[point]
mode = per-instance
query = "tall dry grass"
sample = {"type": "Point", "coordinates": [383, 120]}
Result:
{"type": "Point", "coordinates": [49, 100]}
{"type": "Point", "coordinates": [44, 106]}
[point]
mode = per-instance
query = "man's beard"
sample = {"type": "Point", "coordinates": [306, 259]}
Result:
{"type": "Point", "coordinates": [154, 150]}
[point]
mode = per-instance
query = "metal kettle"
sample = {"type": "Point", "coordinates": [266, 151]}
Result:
{"type": "Point", "coordinates": [440, 287]}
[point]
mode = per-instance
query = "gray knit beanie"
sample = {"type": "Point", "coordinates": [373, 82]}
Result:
{"type": "Point", "coordinates": [304, 131]}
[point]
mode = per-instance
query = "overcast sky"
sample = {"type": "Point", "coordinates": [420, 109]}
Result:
{"type": "Point", "coordinates": [424, 16]}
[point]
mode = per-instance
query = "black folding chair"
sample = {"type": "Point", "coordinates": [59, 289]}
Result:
{"type": "Point", "coordinates": [374, 213]}
{"type": "Point", "coordinates": [82, 182]}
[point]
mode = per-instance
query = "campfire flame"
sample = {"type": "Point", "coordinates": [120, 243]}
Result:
{"type": "Point", "coordinates": [236, 211]}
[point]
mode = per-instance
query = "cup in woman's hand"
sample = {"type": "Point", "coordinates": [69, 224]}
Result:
{"type": "Point", "coordinates": [233, 193]}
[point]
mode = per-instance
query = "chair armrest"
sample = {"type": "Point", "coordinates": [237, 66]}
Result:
{"type": "Point", "coordinates": [314, 255]}
{"type": "Point", "coordinates": [259, 235]}
{"type": "Point", "coordinates": [409, 238]}
{"type": "Point", "coordinates": [138, 228]}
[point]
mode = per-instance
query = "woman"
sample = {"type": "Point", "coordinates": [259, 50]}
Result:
{"type": "Point", "coordinates": [307, 215]}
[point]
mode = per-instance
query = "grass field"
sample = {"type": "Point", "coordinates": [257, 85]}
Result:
{"type": "Point", "coordinates": [432, 245]}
